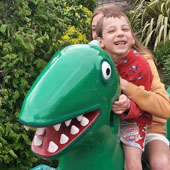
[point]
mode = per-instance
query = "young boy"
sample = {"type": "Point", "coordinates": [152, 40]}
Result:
{"type": "Point", "coordinates": [115, 37]}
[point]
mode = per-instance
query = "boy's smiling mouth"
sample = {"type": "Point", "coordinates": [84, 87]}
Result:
{"type": "Point", "coordinates": [120, 43]}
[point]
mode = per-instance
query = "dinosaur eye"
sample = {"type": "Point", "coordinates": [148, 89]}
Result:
{"type": "Point", "coordinates": [106, 70]}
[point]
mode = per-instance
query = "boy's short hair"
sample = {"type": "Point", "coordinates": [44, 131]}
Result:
{"type": "Point", "coordinates": [117, 13]}
{"type": "Point", "coordinates": [103, 10]}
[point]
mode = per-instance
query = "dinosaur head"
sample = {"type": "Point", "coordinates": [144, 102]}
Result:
{"type": "Point", "coordinates": [70, 98]}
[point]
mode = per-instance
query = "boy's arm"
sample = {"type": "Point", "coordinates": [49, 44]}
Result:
{"type": "Point", "coordinates": [156, 101]}
{"type": "Point", "coordinates": [133, 112]}
{"type": "Point", "coordinates": [145, 80]}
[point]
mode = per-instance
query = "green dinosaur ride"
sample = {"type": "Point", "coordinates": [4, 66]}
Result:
{"type": "Point", "coordinates": [70, 105]}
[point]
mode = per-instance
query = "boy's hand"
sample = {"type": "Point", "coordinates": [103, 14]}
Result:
{"type": "Point", "coordinates": [122, 105]}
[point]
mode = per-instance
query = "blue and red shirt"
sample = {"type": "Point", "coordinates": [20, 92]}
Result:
{"type": "Point", "coordinates": [135, 69]}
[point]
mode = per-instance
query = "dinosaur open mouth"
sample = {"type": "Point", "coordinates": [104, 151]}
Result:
{"type": "Point", "coordinates": [50, 140]}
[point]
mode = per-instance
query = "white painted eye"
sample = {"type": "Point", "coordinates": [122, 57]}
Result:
{"type": "Point", "coordinates": [106, 70]}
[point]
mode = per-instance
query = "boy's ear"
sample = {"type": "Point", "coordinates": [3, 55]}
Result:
{"type": "Point", "coordinates": [99, 39]}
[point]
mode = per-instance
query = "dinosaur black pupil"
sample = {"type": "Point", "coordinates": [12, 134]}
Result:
{"type": "Point", "coordinates": [108, 71]}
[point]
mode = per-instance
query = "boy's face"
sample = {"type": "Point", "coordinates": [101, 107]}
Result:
{"type": "Point", "coordinates": [117, 37]}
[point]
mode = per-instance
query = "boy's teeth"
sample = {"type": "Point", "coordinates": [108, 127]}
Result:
{"type": "Point", "coordinates": [84, 121]}
{"type": "Point", "coordinates": [79, 117]}
{"type": "Point", "coordinates": [26, 127]}
{"type": "Point", "coordinates": [37, 141]}
{"type": "Point", "coordinates": [57, 127]}
{"type": "Point", "coordinates": [63, 139]}
{"type": "Point", "coordinates": [40, 131]}
{"type": "Point", "coordinates": [74, 130]}
{"type": "Point", "coordinates": [67, 123]}
{"type": "Point", "coordinates": [52, 147]}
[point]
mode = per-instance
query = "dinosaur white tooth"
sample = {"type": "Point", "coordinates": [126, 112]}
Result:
{"type": "Point", "coordinates": [26, 127]}
{"type": "Point", "coordinates": [67, 123]}
{"type": "Point", "coordinates": [79, 118]}
{"type": "Point", "coordinates": [52, 147]}
{"type": "Point", "coordinates": [40, 131]}
{"type": "Point", "coordinates": [84, 121]}
{"type": "Point", "coordinates": [74, 130]}
{"type": "Point", "coordinates": [37, 141]}
{"type": "Point", "coordinates": [63, 139]}
{"type": "Point", "coordinates": [57, 127]}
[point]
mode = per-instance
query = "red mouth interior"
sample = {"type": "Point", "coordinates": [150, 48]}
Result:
{"type": "Point", "coordinates": [50, 135]}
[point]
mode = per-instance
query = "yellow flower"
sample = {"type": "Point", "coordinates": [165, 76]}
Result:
{"type": "Point", "coordinates": [65, 37]}
{"type": "Point", "coordinates": [77, 15]}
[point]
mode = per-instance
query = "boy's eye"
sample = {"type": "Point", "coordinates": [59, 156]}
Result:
{"type": "Point", "coordinates": [126, 29]}
{"type": "Point", "coordinates": [111, 31]}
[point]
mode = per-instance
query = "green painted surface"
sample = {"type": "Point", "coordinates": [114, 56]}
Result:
{"type": "Point", "coordinates": [43, 167]}
{"type": "Point", "coordinates": [168, 122]}
{"type": "Point", "coordinates": [75, 82]}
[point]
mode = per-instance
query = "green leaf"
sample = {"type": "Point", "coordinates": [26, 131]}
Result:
{"type": "Point", "coordinates": [12, 153]}
{"type": "Point", "coordinates": [0, 102]}
{"type": "Point", "coordinates": [27, 19]}
{"type": "Point", "coordinates": [3, 140]}
{"type": "Point", "coordinates": [165, 28]}
{"type": "Point", "coordinates": [26, 139]}
{"type": "Point", "coordinates": [148, 38]}
{"type": "Point", "coordinates": [16, 95]}
{"type": "Point", "coordinates": [3, 28]}
{"type": "Point", "coordinates": [1, 5]}
{"type": "Point", "coordinates": [1, 130]}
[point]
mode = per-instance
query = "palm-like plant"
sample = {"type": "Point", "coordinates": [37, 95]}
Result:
{"type": "Point", "coordinates": [151, 21]}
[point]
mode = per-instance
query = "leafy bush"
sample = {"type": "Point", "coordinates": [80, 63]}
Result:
{"type": "Point", "coordinates": [90, 4]}
{"type": "Point", "coordinates": [162, 55]}
{"type": "Point", "coordinates": [150, 21]}
{"type": "Point", "coordinates": [30, 31]}
{"type": "Point", "coordinates": [73, 36]}
{"type": "Point", "coordinates": [80, 17]}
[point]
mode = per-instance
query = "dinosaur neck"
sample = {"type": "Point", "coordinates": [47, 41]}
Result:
{"type": "Point", "coordinates": [95, 152]}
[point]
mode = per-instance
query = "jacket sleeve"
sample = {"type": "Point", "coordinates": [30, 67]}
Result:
{"type": "Point", "coordinates": [156, 101]}
{"type": "Point", "coordinates": [133, 112]}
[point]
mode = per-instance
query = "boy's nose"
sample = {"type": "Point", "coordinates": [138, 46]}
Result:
{"type": "Point", "coordinates": [120, 32]}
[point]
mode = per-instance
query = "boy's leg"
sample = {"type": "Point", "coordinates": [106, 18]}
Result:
{"type": "Point", "coordinates": [132, 136]}
{"type": "Point", "coordinates": [157, 155]}
{"type": "Point", "coordinates": [133, 157]}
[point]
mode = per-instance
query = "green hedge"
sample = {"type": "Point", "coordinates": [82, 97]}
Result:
{"type": "Point", "coordinates": [31, 31]}
{"type": "Point", "coordinates": [162, 55]}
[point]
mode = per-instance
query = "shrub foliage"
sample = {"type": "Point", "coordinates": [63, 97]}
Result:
{"type": "Point", "coordinates": [151, 23]}
{"type": "Point", "coordinates": [150, 20]}
{"type": "Point", "coordinates": [162, 55]}
{"type": "Point", "coordinates": [31, 31]}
